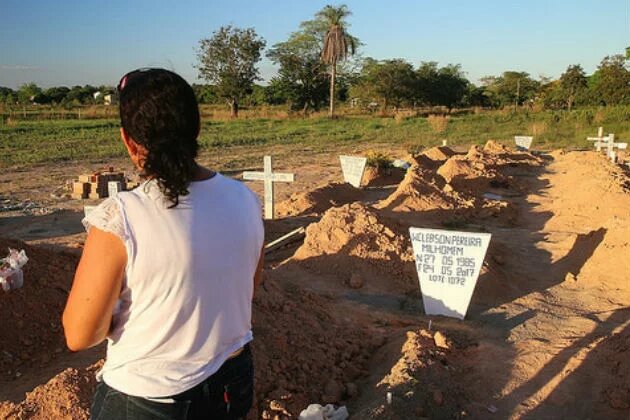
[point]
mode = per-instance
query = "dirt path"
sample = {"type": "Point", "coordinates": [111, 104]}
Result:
{"type": "Point", "coordinates": [576, 294]}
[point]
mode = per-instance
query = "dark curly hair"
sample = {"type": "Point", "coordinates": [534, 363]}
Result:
{"type": "Point", "coordinates": [158, 110]}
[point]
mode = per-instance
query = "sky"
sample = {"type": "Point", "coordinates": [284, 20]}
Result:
{"type": "Point", "coordinates": [70, 42]}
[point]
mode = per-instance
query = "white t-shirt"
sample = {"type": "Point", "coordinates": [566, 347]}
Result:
{"type": "Point", "coordinates": [186, 300]}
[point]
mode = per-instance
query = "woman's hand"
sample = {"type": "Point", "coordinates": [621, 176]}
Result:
{"type": "Point", "coordinates": [95, 290]}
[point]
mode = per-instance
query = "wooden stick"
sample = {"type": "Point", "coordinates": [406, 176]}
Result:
{"type": "Point", "coordinates": [292, 236]}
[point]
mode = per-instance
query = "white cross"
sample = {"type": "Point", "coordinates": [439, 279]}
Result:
{"type": "Point", "coordinates": [611, 145]}
{"type": "Point", "coordinates": [269, 178]}
{"type": "Point", "coordinates": [600, 140]}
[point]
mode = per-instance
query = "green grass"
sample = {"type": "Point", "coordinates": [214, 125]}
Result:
{"type": "Point", "coordinates": [31, 142]}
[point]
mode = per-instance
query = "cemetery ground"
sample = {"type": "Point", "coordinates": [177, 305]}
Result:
{"type": "Point", "coordinates": [339, 318]}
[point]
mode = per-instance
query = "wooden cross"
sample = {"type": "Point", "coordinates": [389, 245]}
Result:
{"type": "Point", "coordinates": [268, 177]}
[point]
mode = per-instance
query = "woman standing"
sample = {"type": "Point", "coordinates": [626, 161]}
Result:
{"type": "Point", "coordinates": [168, 270]}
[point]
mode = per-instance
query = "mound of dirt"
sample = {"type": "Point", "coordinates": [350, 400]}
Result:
{"type": "Point", "coordinates": [319, 200]}
{"type": "Point", "coordinates": [419, 191]}
{"type": "Point", "coordinates": [439, 153]}
{"type": "Point", "coordinates": [378, 177]}
{"type": "Point", "coordinates": [495, 147]}
{"type": "Point", "coordinates": [496, 154]}
{"type": "Point", "coordinates": [420, 380]}
{"type": "Point", "coordinates": [31, 333]}
{"type": "Point", "coordinates": [354, 240]}
{"type": "Point", "coordinates": [67, 396]}
{"type": "Point", "coordinates": [303, 353]}
{"type": "Point", "coordinates": [457, 167]}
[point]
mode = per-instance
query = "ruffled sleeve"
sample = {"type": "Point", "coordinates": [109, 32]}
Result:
{"type": "Point", "coordinates": [107, 217]}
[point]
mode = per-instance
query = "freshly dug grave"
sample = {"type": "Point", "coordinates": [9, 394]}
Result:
{"type": "Point", "coordinates": [421, 191]}
{"type": "Point", "coordinates": [67, 396]}
{"type": "Point", "coordinates": [419, 376]}
{"type": "Point", "coordinates": [379, 177]}
{"type": "Point", "coordinates": [319, 200]}
{"type": "Point", "coordinates": [31, 333]}
{"type": "Point", "coordinates": [359, 246]}
{"type": "Point", "coordinates": [438, 153]}
{"type": "Point", "coordinates": [303, 354]}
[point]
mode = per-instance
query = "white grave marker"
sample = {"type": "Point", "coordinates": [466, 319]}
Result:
{"type": "Point", "coordinates": [612, 155]}
{"type": "Point", "coordinates": [353, 168]}
{"type": "Point", "coordinates": [609, 143]}
{"type": "Point", "coordinates": [269, 178]}
{"type": "Point", "coordinates": [600, 140]}
{"type": "Point", "coordinates": [523, 142]}
{"type": "Point", "coordinates": [448, 265]}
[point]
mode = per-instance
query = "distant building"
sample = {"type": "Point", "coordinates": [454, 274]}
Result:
{"type": "Point", "coordinates": [110, 99]}
{"type": "Point", "coordinates": [97, 94]}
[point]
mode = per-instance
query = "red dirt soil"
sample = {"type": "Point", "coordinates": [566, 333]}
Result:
{"type": "Point", "coordinates": [547, 334]}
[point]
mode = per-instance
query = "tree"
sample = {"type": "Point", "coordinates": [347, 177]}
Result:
{"type": "Point", "coordinates": [337, 43]}
{"type": "Point", "coordinates": [610, 84]}
{"type": "Point", "coordinates": [391, 82]}
{"type": "Point", "coordinates": [475, 96]}
{"type": "Point", "coordinates": [205, 94]}
{"type": "Point", "coordinates": [27, 93]}
{"type": "Point", "coordinates": [56, 94]}
{"type": "Point", "coordinates": [444, 86]}
{"type": "Point", "coordinates": [302, 76]}
{"type": "Point", "coordinates": [511, 88]}
{"type": "Point", "coordinates": [7, 95]}
{"type": "Point", "coordinates": [228, 60]}
{"type": "Point", "coordinates": [452, 86]}
{"type": "Point", "coordinates": [572, 84]}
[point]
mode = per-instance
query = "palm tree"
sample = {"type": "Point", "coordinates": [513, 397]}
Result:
{"type": "Point", "coordinates": [337, 43]}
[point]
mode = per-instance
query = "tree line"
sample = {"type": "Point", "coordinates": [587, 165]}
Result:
{"type": "Point", "coordinates": [318, 66]}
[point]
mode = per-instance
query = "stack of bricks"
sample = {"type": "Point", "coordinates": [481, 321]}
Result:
{"type": "Point", "coordinates": [95, 186]}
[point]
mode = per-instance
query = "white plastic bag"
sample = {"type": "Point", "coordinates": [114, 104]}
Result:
{"type": "Point", "coordinates": [11, 275]}
{"type": "Point", "coordinates": [329, 412]}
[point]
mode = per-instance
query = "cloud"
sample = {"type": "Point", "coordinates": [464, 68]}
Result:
{"type": "Point", "coordinates": [18, 67]}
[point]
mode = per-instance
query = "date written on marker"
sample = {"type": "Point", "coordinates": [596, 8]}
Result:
{"type": "Point", "coordinates": [448, 265]}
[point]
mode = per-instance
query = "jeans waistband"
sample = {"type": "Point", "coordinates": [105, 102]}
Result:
{"type": "Point", "coordinates": [234, 358]}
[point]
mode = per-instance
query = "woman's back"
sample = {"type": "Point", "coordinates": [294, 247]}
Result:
{"type": "Point", "coordinates": [185, 305]}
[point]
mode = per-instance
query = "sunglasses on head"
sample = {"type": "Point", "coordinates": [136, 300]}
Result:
{"type": "Point", "coordinates": [125, 79]}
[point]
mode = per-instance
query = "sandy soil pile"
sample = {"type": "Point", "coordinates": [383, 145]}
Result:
{"type": "Point", "coordinates": [303, 353]}
{"type": "Point", "coordinates": [319, 200]}
{"type": "Point", "coordinates": [455, 187]}
{"type": "Point", "coordinates": [30, 336]}
{"type": "Point", "coordinates": [358, 246]}
{"type": "Point", "coordinates": [420, 378]}
{"type": "Point", "coordinates": [67, 396]}
{"type": "Point", "coordinates": [419, 191]}
{"type": "Point", "coordinates": [378, 177]}
{"type": "Point", "coordinates": [438, 154]}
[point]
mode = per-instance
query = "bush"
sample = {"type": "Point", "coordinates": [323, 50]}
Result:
{"type": "Point", "coordinates": [378, 160]}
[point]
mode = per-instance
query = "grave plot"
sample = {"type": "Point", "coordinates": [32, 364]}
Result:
{"type": "Point", "coordinates": [319, 200]}
{"type": "Point", "coordinates": [358, 248]}
{"type": "Point", "coordinates": [341, 321]}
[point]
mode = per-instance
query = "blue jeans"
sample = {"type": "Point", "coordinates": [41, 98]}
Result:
{"type": "Point", "coordinates": [228, 394]}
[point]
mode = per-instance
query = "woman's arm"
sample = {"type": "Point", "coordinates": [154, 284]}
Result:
{"type": "Point", "coordinates": [96, 287]}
